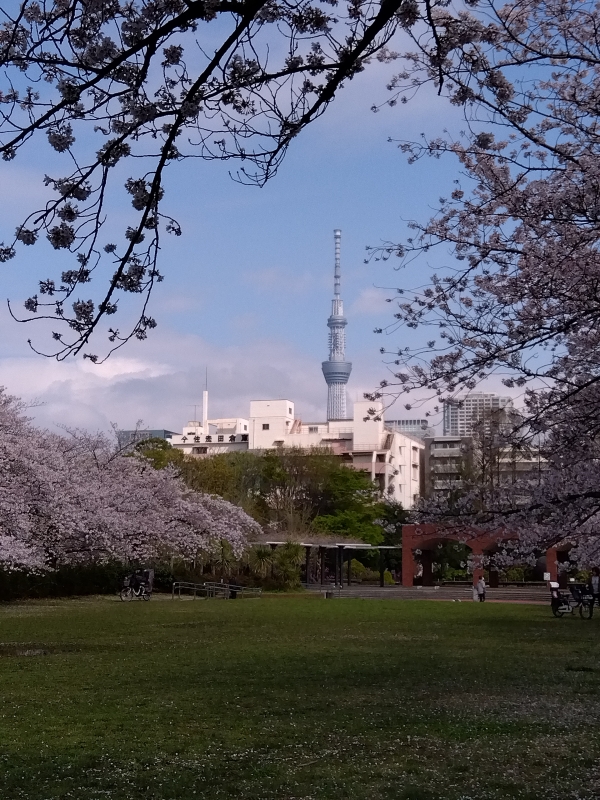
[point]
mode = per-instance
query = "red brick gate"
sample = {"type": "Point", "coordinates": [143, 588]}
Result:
{"type": "Point", "coordinates": [425, 537]}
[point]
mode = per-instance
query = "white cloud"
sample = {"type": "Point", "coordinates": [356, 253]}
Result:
{"type": "Point", "coordinates": [161, 380]}
{"type": "Point", "coordinates": [371, 301]}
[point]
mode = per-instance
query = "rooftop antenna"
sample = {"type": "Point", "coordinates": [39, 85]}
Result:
{"type": "Point", "coordinates": [205, 404]}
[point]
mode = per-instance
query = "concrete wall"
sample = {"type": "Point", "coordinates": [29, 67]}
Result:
{"type": "Point", "coordinates": [270, 422]}
{"type": "Point", "coordinates": [367, 434]}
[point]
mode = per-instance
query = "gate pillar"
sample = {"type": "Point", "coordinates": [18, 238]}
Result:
{"type": "Point", "coordinates": [477, 553]}
{"type": "Point", "coordinates": [408, 559]}
{"type": "Point", "coordinates": [551, 563]}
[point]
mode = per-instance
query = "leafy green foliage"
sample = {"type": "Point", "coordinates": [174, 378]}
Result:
{"type": "Point", "coordinates": [295, 490]}
{"type": "Point", "coordinates": [287, 560]}
{"type": "Point", "coordinates": [388, 578]}
{"type": "Point", "coordinates": [450, 560]}
{"type": "Point", "coordinates": [261, 559]}
{"type": "Point", "coordinates": [160, 452]}
{"type": "Point", "coordinates": [356, 523]}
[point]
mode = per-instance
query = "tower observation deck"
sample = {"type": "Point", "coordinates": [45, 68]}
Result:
{"type": "Point", "coordinates": [336, 370]}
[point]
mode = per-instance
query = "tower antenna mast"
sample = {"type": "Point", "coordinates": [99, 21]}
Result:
{"type": "Point", "coordinates": [336, 370]}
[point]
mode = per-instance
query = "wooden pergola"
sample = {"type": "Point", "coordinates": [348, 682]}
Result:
{"type": "Point", "coordinates": [342, 552]}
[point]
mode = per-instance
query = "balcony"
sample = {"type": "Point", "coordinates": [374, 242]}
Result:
{"type": "Point", "coordinates": [445, 469]}
{"type": "Point", "coordinates": [455, 452]}
{"type": "Point", "coordinates": [449, 484]}
{"type": "Point", "coordinates": [379, 467]}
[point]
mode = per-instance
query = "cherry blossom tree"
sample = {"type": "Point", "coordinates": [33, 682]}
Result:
{"type": "Point", "coordinates": [519, 294]}
{"type": "Point", "coordinates": [125, 89]}
{"type": "Point", "coordinates": [75, 499]}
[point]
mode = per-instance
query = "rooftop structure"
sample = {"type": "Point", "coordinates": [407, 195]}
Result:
{"type": "Point", "coordinates": [336, 370]}
{"type": "Point", "coordinates": [392, 459]}
{"type": "Point", "coordinates": [128, 439]}
{"type": "Point", "coordinates": [416, 427]}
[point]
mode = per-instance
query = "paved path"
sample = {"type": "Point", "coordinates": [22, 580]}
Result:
{"type": "Point", "coordinates": [508, 594]}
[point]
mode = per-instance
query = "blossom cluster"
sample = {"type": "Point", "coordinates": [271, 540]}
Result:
{"type": "Point", "coordinates": [74, 498]}
{"type": "Point", "coordinates": [519, 298]}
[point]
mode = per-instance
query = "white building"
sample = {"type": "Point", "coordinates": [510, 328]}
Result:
{"type": "Point", "coordinates": [390, 457]}
{"type": "Point", "coordinates": [462, 413]}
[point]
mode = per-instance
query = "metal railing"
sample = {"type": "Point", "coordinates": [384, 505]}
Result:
{"type": "Point", "coordinates": [323, 588]}
{"type": "Point", "coordinates": [226, 591]}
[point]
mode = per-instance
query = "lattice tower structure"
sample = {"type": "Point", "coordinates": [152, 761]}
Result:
{"type": "Point", "coordinates": [336, 370]}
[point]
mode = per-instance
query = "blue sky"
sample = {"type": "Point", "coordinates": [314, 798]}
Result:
{"type": "Point", "coordinates": [248, 286]}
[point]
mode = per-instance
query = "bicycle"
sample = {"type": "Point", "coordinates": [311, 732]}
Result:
{"type": "Point", "coordinates": [579, 597]}
{"type": "Point", "coordinates": [583, 594]}
{"type": "Point", "coordinates": [141, 592]}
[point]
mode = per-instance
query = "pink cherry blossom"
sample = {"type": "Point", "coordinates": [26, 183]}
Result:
{"type": "Point", "coordinates": [519, 295]}
{"type": "Point", "coordinates": [73, 498]}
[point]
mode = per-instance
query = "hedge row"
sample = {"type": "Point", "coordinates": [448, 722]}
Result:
{"type": "Point", "coordinates": [70, 581]}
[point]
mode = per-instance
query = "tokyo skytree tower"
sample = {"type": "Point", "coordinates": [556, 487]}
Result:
{"type": "Point", "coordinates": [337, 370]}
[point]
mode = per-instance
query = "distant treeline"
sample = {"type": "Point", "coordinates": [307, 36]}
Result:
{"type": "Point", "coordinates": [292, 490]}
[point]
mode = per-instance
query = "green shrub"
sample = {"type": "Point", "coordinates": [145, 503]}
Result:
{"type": "Point", "coordinates": [358, 569]}
{"type": "Point", "coordinates": [456, 574]}
{"type": "Point", "coordinates": [515, 574]}
{"type": "Point", "coordinates": [64, 582]}
{"type": "Point", "coordinates": [583, 576]}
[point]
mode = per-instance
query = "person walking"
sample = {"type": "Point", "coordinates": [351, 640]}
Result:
{"type": "Point", "coordinates": [481, 589]}
{"type": "Point", "coordinates": [595, 585]}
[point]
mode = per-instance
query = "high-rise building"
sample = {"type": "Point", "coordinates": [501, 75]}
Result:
{"type": "Point", "coordinates": [336, 370]}
{"type": "Point", "coordinates": [462, 414]}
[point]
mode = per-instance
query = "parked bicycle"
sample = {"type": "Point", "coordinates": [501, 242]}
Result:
{"type": "Point", "coordinates": [579, 597]}
{"type": "Point", "coordinates": [137, 585]}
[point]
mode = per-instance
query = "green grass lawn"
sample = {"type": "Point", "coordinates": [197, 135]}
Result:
{"type": "Point", "coordinates": [297, 698]}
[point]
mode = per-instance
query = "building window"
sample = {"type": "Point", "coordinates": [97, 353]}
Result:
{"type": "Point", "coordinates": [198, 451]}
{"type": "Point", "coordinates": [220, 438]}
{"type": "Point", "coordinates": [313, 429]}
{"type": "Point", "coordinates": [265, 426]}
{"type": "Point", "coordinates": [289, 410]}
{"type": "Point", "coordinates": [245, 427]}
